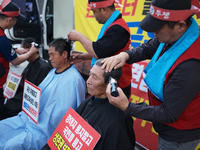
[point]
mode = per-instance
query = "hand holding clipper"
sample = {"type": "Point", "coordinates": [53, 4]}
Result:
{"type": "Point", "coordinates": [113, 83]}
{"type": "Point", "coordinates": [36, 45]}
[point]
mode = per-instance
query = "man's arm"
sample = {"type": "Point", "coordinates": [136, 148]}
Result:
{"type": "Point", "coordinates": [78, 57]}
{"type": "Point", "coordinates": [21, 50]}
{"type": "Point", "coordinates": [23, 57]}
{"type": "Point", "coordinates": [115, 62]}
{"type": "Point", "coordinates": [143, 52]}
{"type": "Point", "coordinates": [86, 43]}
{"type": "Point", "coordinates": [177, 96]}
{"type": "Point", "coordinates": [113, 40]}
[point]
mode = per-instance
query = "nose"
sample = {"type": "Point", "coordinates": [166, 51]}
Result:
{"type": "Point", "coordinates": [50, 58]}
{"type": "Point", "coordinates": [155, 33]}
{"type": "Point", "coordinates": [88, 80]}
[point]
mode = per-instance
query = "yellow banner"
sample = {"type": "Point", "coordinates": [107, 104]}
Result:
{"type": "Point", "coordinates": [133, 11]}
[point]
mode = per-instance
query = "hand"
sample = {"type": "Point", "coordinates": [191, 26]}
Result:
{"type": "Point", "coordinates": [33, 49]}
{"type": "Point", "coordinates": [21, 50]}
{"type": "Point", "coordinates": [115, 62]}
{"type": "Point", "coordinates": [76, 58]}
{"type": "Point", "coordinates": [74, 35]}
{"type": "Point", "coordinates": [120, 101]}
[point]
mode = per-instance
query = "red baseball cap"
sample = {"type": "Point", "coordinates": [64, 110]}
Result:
{"type": "Point", "coordinates": [11, 9]}
{"type": "Point", "coordinates": [163, 11]}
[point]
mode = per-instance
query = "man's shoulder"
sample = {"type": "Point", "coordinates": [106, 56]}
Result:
{"type": "Point", "coordinates": [83, 105]}
{"type": "Point", "coordinates": [119, 25]}
{"type": "Point", "coordinates": [45, 63]}
{"type": "Point", "coordinates": [109, 111]}
{"type": "Point", "coordinates": [41, 63]}
{"type": "Point", "coordinates": [74, 70]}
{"type": "Point", "coordinates": [73, 74]}
{"type": "Point", "coordinates": [4, 41]}
{"type": "Point", "coordinates": [120, 21]}
{"type": "Point", "coordinates": [41, 60]}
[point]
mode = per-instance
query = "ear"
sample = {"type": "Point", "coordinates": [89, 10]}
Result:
{"type": "Point", "coordinates": [104, 10]}
{"type": "Point", "coordinates": [9, 19]}
{"type": "Point", "coordinates": [65, 54]}
{"type": "Point", "coordinates": [181, 26]}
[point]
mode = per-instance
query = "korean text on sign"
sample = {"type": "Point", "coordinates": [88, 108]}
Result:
{"type": "Point", "coordinates": [73, 133]}
{"type": "Point", "coordinates": [31, 100]}
{"type": "Point", "coordinates": [12, 85]}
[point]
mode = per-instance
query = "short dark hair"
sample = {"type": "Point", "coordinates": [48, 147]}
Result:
{"type": "Point", "coordinates": [61, 45]}
{"type": "Point", "coordinates": [26, 43]}
{"type": "Point", "coordinates": [115, 73]}
{"type": "Point", "coordinates": [3, 17]}
{"type": "Point", "coordinates": [112, 7]}
{"type": "Point", "coordinates": [171, 24]}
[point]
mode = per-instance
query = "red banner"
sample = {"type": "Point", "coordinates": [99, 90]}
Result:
{"type": "Point", "coordinates": [73, 133]}
{"type": "Point", "coordinates": [144, 131]}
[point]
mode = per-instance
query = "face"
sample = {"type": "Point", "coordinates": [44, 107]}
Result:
{"type": "Point", "coordinates": [12, 22]}
{"type": "Point", "coordinates": [57, 60]}
{"type": "Point", "coordinates": [166, 34]}
{"type": "Point", "coordinates": [98, 15]}
{"type": "Point", "coordinates": [95, 82]}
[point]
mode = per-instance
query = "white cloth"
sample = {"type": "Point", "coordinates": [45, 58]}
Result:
{"type": "Point", "coordinates": [58, 93]}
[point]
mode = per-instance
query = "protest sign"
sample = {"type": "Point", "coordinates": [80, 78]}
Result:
{"type": "Point", "coordinates": [73, 133]}
{"type": "Point", "coordinates": [12, 85]}
{"type": "Point", "coordinates": [31, 100]}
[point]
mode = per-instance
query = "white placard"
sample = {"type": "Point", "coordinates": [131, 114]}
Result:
{"type": "Point", "coordinates": [12, 85]}
{"type": "Point", "coordinates": [31, 100]}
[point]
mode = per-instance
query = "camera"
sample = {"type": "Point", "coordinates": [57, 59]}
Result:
{"type": "Point", "coordinates": [36, 45]}
{"type": "Point", "coordinates": [113, 83]}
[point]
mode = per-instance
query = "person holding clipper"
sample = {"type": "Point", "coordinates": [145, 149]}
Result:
{"type": "Point", "coordinates": [35, 72]}
{"type": "Point", "coordinates": [9, 14]}
{"type": "Point", "coordinates": [115, 128]}
{"type": "Point", "coordinates": [113, 38]}
{"type": "Point", "coordinates": [172, 75]}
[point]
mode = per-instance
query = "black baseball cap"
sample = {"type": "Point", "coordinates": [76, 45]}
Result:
{"type": "Point", "coordinates": [11, 9]}
{"type": "Point", "coordinates": [150, 23]}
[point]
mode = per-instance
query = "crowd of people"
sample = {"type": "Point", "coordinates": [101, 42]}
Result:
{"type": "Point", "coordinates": [172, 78]}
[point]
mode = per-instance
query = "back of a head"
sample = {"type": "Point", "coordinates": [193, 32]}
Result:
{"type": "Point", "coordinates": [115, 73]}
{"type": "Point", "coordinates": [61, 45]}
{"type": "Point", "coordinates": [26, 43]}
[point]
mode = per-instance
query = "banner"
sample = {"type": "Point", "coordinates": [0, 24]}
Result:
{"type": "Point", "coordinates": [133, 11]}
{"type": "Point", "coordinates": [146, 136]}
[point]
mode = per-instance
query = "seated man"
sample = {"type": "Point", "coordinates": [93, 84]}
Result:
{"type": "Point", "coordinates": [115, 127]}
{"type": "Point", "coordinates": [35, 72]}
{"type": "Point", "coordinates": [62, 88]}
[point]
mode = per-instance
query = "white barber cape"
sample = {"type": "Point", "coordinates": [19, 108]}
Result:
{"type": "Point", "coordinates": [58, 93]}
